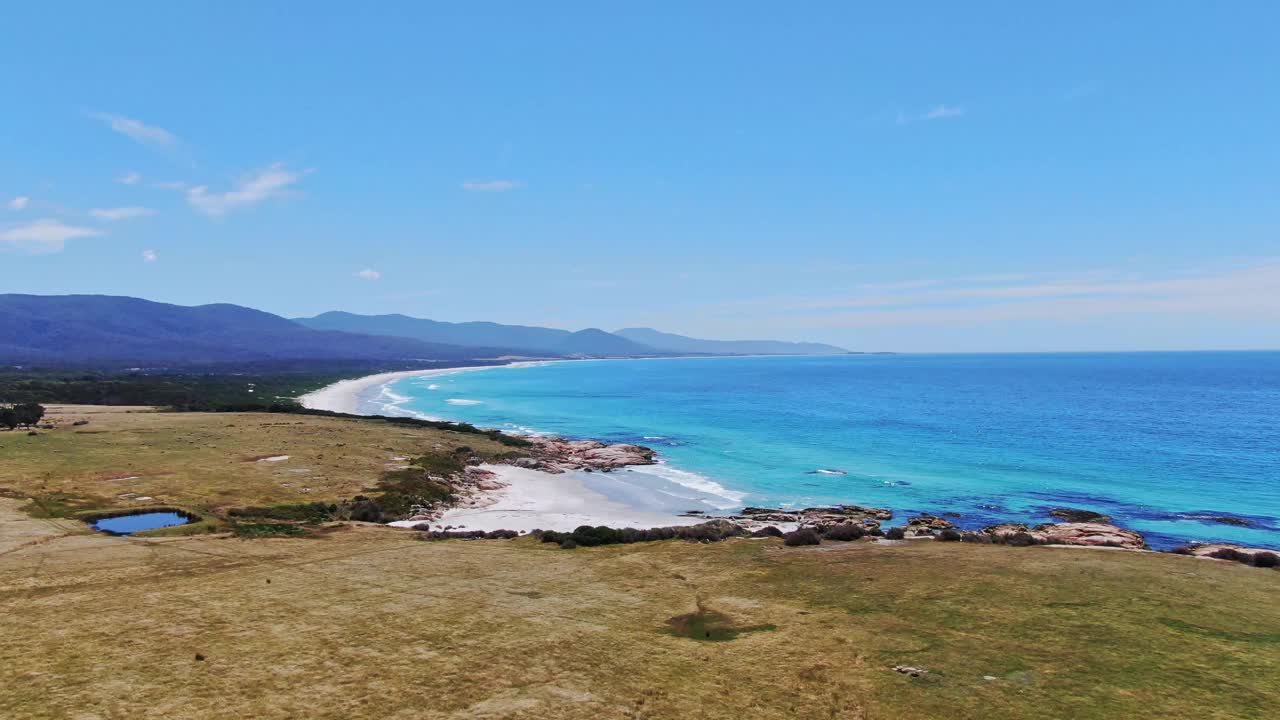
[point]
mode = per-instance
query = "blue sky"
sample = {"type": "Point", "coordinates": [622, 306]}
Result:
{"type": "Point", "coordinates": [927, 177]}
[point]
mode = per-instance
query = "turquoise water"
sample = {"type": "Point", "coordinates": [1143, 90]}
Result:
{"type": "Point", "coordinates": [1162, 442]}
{"type": "Point", "coordinates": [127, 524]}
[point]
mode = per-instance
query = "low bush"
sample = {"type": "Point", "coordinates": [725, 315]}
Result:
{"type": "Point", "coordinates": [1266, 559]}
{"type": "Point", "coordinates": [803, 536]}
{"type": "Point", "coordinates": [844, 532]}
{"type": "Point", "coordinates": [950, 535]}
{"type": "Point", "coordinates": [1229, 554]}
{"type": "Point", "coordinates": [306, 512]}
{"type": "Point", "coordinates": [767, 531]}
{"type": "Point", "coordinates": [588, 536]}
{"type": "Point", "coordinates": [1020, 539]}
{"type": "Point", "coordinates": [895, 533]}
{"type": "Point", "coordinates": [263, 530]}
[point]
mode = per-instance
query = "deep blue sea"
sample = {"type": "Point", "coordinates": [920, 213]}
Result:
{"type": "Point", "coordinates": [1162, 442]}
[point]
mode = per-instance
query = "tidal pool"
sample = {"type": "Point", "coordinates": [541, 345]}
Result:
{"type": "Point", "coordinates": [129, 524]}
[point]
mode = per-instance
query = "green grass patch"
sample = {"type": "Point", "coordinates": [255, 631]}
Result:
{"type": "Point", "coordinates": [267, 530]}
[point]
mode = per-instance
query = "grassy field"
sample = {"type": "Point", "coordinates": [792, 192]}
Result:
{"type": "Point", "coordinates": [207, 462]}
{"type": "Point", "coordinates": [365, 621]}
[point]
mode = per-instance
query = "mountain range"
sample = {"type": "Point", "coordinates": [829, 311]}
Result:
{"type": "Point", "coordinates": [626, 342]}
{"type": "Point", "coordinates": [79, 330]}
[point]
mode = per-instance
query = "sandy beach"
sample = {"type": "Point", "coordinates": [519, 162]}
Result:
{"type": "Point", "coordinates": [348, 396]}
{"type": "Point", "coordinates": [540, 500]}
{"type": "Point", "coordinates": [532, 499]}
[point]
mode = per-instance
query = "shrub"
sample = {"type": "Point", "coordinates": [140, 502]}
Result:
{"type": "Point", "coordinates": [568, 544]}
{"type": "Point", "coordinates": [262, 530]}
{"type": "Point", "coordinates": [895, 533]}
{"type": "Point", "coordinates": [1266, 559]}
{"type": "Point", "coordinates": [307, 512]}
{"type": "Point", "coordinates": [949, 535]}
{"type": "Point", "coordinates": [844, 532]}
{"type": "Point", "coordinates": [803, 536]}
{"type": "Point", "coordinates": [1229, 554]}
{"type": "Point", "coordinates": [365, 510]}
{"type": "Point", "coordinates": [767, 531]}
{"type": "Point", "coordinates": [1020, 539]}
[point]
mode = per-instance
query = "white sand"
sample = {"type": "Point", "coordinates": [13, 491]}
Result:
{"type": "Point", "coordinates": [534, 499]}
{"type": "Point", "coordinates": [345, 396]}
{"type": "Point", "coordinates": [530, 499]}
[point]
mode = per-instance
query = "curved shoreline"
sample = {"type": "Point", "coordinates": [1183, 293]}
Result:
{"type": "Point", "coordinates": [346, 396]}
{"type": "Point", "coordinates": [532, 499]}
{"type": "Point", "coordinates": [529, 499]}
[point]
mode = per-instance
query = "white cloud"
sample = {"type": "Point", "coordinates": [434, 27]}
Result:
{"type": "Point", "coordinates": [369, 274]}
{"type": "Point", "coordinates": [256, 187]}
{"type": "Point", "coordinates": [121, 213]}
{"type": "Point", "coordinates": [149, 256]}
{"type": "Point", "coordinates": [19, 203]}
{"type": "Point", "coordinates": [129, 178]}
{"type": "Point", "coordinates": [44, 236]}
{"type": "Point", "coordinates": [136, 130]}
{"type": "Point", "coordinates": [943, 112]}
{"type": "Point", "coordinates": [491, 185]}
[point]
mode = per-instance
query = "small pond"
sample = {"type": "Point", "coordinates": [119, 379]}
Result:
{"type": "Point", "coordinates": [128, 524]}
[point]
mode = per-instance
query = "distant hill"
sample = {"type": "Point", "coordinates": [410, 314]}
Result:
{"type": "Point", "coordinates": [594, 342]}
{"type": "Point", "coordinates": [671, 343]}
{"type": "Point", "coordinates": [87, 329]}
{"type": "Point", "coordinates": [534, 340]}
{"type": "Point", "coordinates": [591, 342]}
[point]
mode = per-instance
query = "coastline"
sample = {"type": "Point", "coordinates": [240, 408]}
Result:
{"type": "Point", "coordinates": [347, 396]}
{"type": "Point", "coordinates": [528, 499]}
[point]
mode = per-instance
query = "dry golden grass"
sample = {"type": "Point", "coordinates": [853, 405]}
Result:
{"type": "Point", "coordinates": [369, 622]}
{"type": "Point", "coordinates": [208, 461]}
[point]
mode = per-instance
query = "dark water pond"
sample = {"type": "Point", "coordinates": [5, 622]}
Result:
{"type": "Point", "coordinates": [127, 524]}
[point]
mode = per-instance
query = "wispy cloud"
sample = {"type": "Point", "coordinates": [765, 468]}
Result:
{"type": "Point", "coordinates": [943, 112]}
{"type": "Point", "coordinates": [129, 178]}
{"type": "Point", "coordinates": [1242, 291]}
{"type": "Point", "coordinates": [149, 256]}
{"type": "Point", "coordinates": [491, 185]}
{"type": "Point", "coordinates": [256, 187]}
{"type": "Point", "coordinates": [937, 112]}
{"type": "Point", "coordinates": [19, 203]}
{"type": "Point", "coordinates": [369, 274]}
{"type": "Point", "coordinates": [44, 236]}
{"type": "Point", "coordinates": [120, 213]}
{"type": "Point", "coordinates": [137, 130]}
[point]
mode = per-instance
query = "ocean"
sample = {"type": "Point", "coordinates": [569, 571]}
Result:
{"type": "Point", "coordinates": [1181, 447]}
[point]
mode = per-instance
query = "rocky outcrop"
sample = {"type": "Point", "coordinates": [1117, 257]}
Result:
{"type": "Point", "coordinates": [927, 524]}
{"type": "Point", "coordinates": [1085, 534]}
{"type": "Point", "coordinates": [557, 455]}
{"type": "Point", "coordinates": [1225, 551]}
{"type": "Point", "coordinates": [1096, 534]}
{"type": "Point", "coordinates": [820, 518]}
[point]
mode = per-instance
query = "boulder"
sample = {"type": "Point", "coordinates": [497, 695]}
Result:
{"type": "Point", "coordinates": [1086, 534]}
{"type": "Point", "coordinates": [1093, 534]}
{"type": "Point", "coordinates": [558, 455]}
{"type": "Point", "coordinates": [1079, 516]}
{"type": "Point", "coordinates": [929, 522]}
